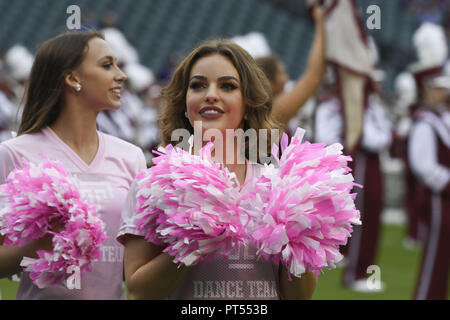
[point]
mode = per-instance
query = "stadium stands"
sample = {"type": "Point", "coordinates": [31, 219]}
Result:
{"type": "Point", "coordinates": [160, 28]}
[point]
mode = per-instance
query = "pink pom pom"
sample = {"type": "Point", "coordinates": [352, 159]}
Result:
{"type": "Point", "coordinates": [191, 205]}
{"type": "Point", "coordinates": [41, 194]}
{"type": "Point", "coordinates": [303, 209]}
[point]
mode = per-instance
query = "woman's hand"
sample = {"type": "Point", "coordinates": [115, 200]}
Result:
{"type": "Point", "coordinates": [287, 104]}
{"type": "Point", "coordinates": [11, 256]}
{"type": "Point", "coordinates": [297, 288]}
{"type": "Point", "coordinates": [318, 13]}
{"type": "Point", "coordinates": [44, 243]}
{"type": "Point", "coordinates": [150, 274]}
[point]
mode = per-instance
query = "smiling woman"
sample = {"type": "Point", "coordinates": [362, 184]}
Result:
{"type": "Point", "coordinates": [74, 77]}
{"type": "Point", "coordinates": [220, 85]}
{"type": "Point", "coordinates": [214, 94]}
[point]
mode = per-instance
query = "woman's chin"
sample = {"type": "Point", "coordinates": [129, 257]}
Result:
{"type": "Point", "coordinates": [216, 125]}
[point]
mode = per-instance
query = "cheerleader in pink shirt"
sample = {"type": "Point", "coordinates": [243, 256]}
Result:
{"type": "Point", "coordinates": [220, 85]}
{"type": "Point", "coordinates": [74, 77]}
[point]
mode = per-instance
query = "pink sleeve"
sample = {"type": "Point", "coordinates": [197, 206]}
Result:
{"type": "Point", "coordinates": [128, 220]}
{"type": "Point", "coordinates": [7, 163]}
{"type": "Point", "coordinates": [142, 163]}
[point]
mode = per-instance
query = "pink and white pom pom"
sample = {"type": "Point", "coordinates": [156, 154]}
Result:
{"type": "Point", "coordinates": [38, 195]}
{"type": "Point", "coordinates": [303, 209]}
{"type": "Point", "coordinates": [190, 204]}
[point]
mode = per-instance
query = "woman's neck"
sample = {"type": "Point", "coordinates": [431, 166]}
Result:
{"type": "Point", "coordinates": [79, 131]}
{"type": "Point", "coordinates": [240, 170]}
{"type": "Point", "coordinates": [232, 157]}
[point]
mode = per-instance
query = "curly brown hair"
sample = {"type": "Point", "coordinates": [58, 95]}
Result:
{"type": "Point", "coordinates": [256, 92]}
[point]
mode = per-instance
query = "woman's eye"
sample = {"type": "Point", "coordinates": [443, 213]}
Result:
{"type": "Point", "coordinates": [107, 66]}
{"type": "Point", "coordinates": [229, 86]}
{"type": "Point", "coordinates": [196, 85]}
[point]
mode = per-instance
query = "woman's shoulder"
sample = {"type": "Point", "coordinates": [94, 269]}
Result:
{"type": "Point", "coordinates": [13, 151]}
{"type": "Point", "coordinates": [27, 142]}
{"type": "Point", "coordinates": [130, 155]}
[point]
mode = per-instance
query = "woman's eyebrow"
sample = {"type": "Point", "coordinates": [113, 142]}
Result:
{"type": "Point", "coordinates": [224, 78]}
{"type": "Point", "coordinates": [111, 58]}
{"type": "Point", "coordinates": [198, 77]}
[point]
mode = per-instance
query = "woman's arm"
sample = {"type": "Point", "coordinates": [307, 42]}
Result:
{"type": "Point", "coordinates": [298, 288]}
{"type": "Point", "coordinates": [150, 274]}
{"type": "Point", "coordinates": [11, 256]}
{"type": "Point", "coordinates": [287, 104]}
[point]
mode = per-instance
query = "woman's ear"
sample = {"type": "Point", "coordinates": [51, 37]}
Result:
{"type": "Point", "coordinates": [72, 81]}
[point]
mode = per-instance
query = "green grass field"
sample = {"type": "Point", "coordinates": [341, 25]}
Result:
{"type": "Point", "coordinates": [398, 266]}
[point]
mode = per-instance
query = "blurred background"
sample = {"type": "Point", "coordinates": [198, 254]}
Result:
{"type": "Point", "coordinates": [150, 37]}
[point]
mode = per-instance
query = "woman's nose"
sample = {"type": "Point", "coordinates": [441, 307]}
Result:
{"type": "Point", "coordinates": [121, 76]}
{"type": "Point", "coordinates": [211, 95]}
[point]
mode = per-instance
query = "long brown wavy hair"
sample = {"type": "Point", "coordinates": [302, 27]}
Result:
{"type": "Point", "coordinates": [44, 95]}
{"type": "Point", "coordinates": [256, 92]}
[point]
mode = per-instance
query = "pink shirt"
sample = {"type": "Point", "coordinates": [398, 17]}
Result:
{"type": "Point", "coordinates": [240, 277]}
{"type": "Point", "coordinates": [105, 182]}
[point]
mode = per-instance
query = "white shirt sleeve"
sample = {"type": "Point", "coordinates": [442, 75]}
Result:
{"type": "Point", "coordinates": [377, 131]}
{"type": "Point", "coordinates": [128, 220]}
{"type": "Point", "coordinates": [446, 118]}
{"type": "Point", "coordinates": [329, 125]}
{"type": "Point", "coordinates": [6, 166]}
{"type": "Point", "coordinates": [422, 155]}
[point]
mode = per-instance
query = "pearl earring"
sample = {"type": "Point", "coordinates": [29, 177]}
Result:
{"type": "Point", "coordinates": [78, 87]}
{"type": "Point", "coordinates": [186, 114]}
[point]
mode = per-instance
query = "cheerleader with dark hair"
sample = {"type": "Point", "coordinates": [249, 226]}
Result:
{"type": "Point", "coordinates": [74, 77]}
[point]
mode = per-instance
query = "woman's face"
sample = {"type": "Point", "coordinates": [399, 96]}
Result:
{"type": "Point", "coordinates": [214, 94]}
{"type": "Point", "coordinates": [100, 77]}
